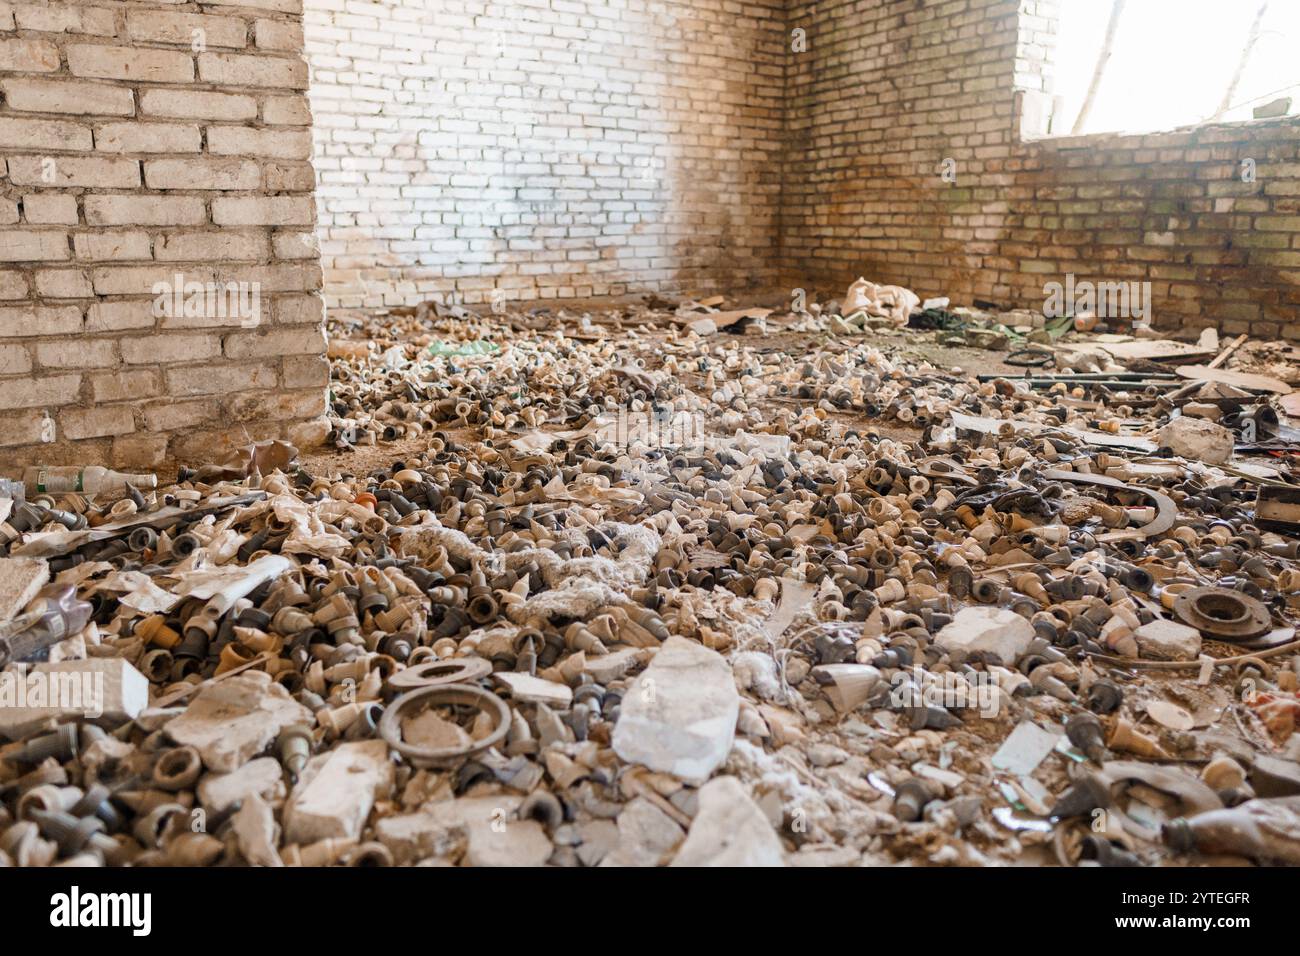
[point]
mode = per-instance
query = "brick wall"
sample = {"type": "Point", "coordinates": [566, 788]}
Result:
{"type": "Point", "coordinates": [889, 89]}
{"type": "Point", "coordinates": [545, 148]}
{"type": "Point", "coordinates": [141, 141]}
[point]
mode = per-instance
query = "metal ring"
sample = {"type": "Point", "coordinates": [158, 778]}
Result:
{"type": "Point", "coordinates": [1222, 614]}
{"type": "Point", "coordinates": [1029, 358]}
{"type": "Point", "coordinates": [390, 727]}
{"type": "Point", "coordinates": [460, 670]}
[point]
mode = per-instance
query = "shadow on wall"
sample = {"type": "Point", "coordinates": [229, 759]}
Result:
{"type": "Point", "coordinates": [545, 153]}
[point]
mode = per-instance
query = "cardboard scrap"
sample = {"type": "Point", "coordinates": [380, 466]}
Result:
{"type": "Point", "coordinates": [21, 579]}
{"type": "Point", "coordinates": [1223, 376]}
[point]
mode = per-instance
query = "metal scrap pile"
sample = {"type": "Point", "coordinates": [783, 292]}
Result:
{"type": "Point", "coordinates": [674, 585]}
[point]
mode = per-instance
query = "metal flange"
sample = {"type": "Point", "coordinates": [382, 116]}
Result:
{"type": "Point", "coordinates": [460, 670]}
{"type": "Point", "coordinates": [1222, 614]}
{"type": "Point", "coordinates": [448, 695]}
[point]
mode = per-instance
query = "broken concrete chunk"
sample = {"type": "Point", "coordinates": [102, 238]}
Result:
{"type": "Point", "coordinates": [612, 666]}
{"type": "Point", "coordinates": [442, 829]}
{"type": "Point", "coordinates": [262, 777]}
{"type": "Point", "coordinates": [1162, 640]}
{"type": "Point", "coordinates": [337, 791]}
{"type": "Point", "coordinates": [596, 838]}
{"type": "Point", "coordinates": [232, 721]}
{"type": "Point", "coordinates": [729, 830]}
{"type": "Point", "coordinates": [1274, 108]}
{"type": "Point", "coordinates": [989, 629]}
{"type": "Point", "coordinates": [646, 836]}
{"type": "Point", "coordinates": [534, 690]}
{"type": "Point", "coordinates": [256, 832]}
{"type": "Point", "coordinates": [105, 690]}
{"type": "Point", "coordinates": [1275, 777]}
{"type": "Point", "coordinates": [516, 843]}
{"type": "Point", "coordinates": [428, 729]}
{"type": "Point", "coordinates": [679, 716]}
{"type": "Point", "coordinates": [1198, 440]}
{"type": "Point", "coordinates": [412, 837]}
{"type": "Point", "coordinates": [21, 579]}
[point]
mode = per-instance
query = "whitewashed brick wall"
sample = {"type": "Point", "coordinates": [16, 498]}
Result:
{"type": "Point", "coordinates": [142, 140]}
{"type": "Point", "coordinates": [545, 148]}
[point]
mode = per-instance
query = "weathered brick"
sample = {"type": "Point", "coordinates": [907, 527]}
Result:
{"type": "Point", "coordinates": [277, 6]}
{"type": "Point", "coordinates": [298, 309]}
{"type": "Point", "coordinates": [80, 423]}
{"type": "Point", "coordinates": [237, 69]}
{"type": "Point", "coordinates": [295, 245]}
{"type": "Point", "coordinates": [22, 428]}
{"type": "Point", "coordinates": [190, 29]}
{"type": "Point", "coordinates": [60, 171]}
{"type": "Point", "coordinates": [145, 210]}
{"type": "Point", "coordinates": [63, 284]}
{"type": "Point", "coordinates": [172, 415]}
{"type": "Point", "coordinates": [28, 56]}
{"type": "Point", "coordinates": [301, 341]}
{"type": "Point", "coordinates": [50, 209]}
{"type": "Point", "coordinates": [139, 450]}
{"type": "Point", "coordinates": [276, 277]}
{"type": "Point", "coordinates": [198, 104]}
{"type": "Point", "coordinates": [120, 315]}
{"type": "Point", "coordinates": [164, 349]}
{"type": "Point", "coordinates": [123, 385]}
{"type": "Point", "coordinates": [77, 353]}
{"type": "Point", "coordinates": [263, 211]}
{"type": "Point", "coordinates": [43, 134]}
{"type": "Point", "coordinates": [148, 138]}
{"type": "Point", "coordinates": [216, 174]}
{"type": "Point", "coordinates": [101, 246]}
{"type": "Point", "coordinates": [219, 379]}
{"type": "Point", "coordinates": [33, 245]}
{"type": "Point", "coordinates": [43, 390]}
{"type": "Point", "coordinates": [276, 406]}
{"type": "Point", "coordinates": [65, 18]}
{"type": "Point", "coordinates": [211, 246]}
{"type": "Point", "coordinates": [14, 360]}
{"type": "Point", "coordinates": [19, 321]}
{"type": "Point", "coordinates": [145, 280]}
{"type": "Point", "coordinates": [286, 111]}
{"type": "Point", "coordinates": [273, 144]}
{"type": "Point", "coordinates": [289, 178]}
{"type": "Point", "coordinates": [278, 35]}
{"type": "Point", "coordinates": [13, 285]}
{"type": "Point", "coordinates": [306, 371]}
{"type": "Point", "coordinates": [68, 96]}
{"type": "Point", "coordinates": [130, 63]}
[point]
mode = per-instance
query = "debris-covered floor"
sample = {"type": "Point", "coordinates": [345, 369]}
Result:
{"type": "Point", "coordinates": [685, 583]}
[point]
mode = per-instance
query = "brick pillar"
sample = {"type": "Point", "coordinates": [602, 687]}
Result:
{"type": "Point", "coordinates": [159, 273]}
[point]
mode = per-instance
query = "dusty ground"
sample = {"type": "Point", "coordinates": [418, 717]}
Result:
{"type": "Point", "coordinates": [842, 767]}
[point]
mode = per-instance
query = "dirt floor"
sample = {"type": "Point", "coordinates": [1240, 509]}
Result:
{"type": "Point", "coordinates": [841, 769]}
{"type": "Point", "coordinates": [751, 588]}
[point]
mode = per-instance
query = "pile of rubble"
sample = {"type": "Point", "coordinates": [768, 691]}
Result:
{"type": "Point", "coordinates": [677, 584]}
